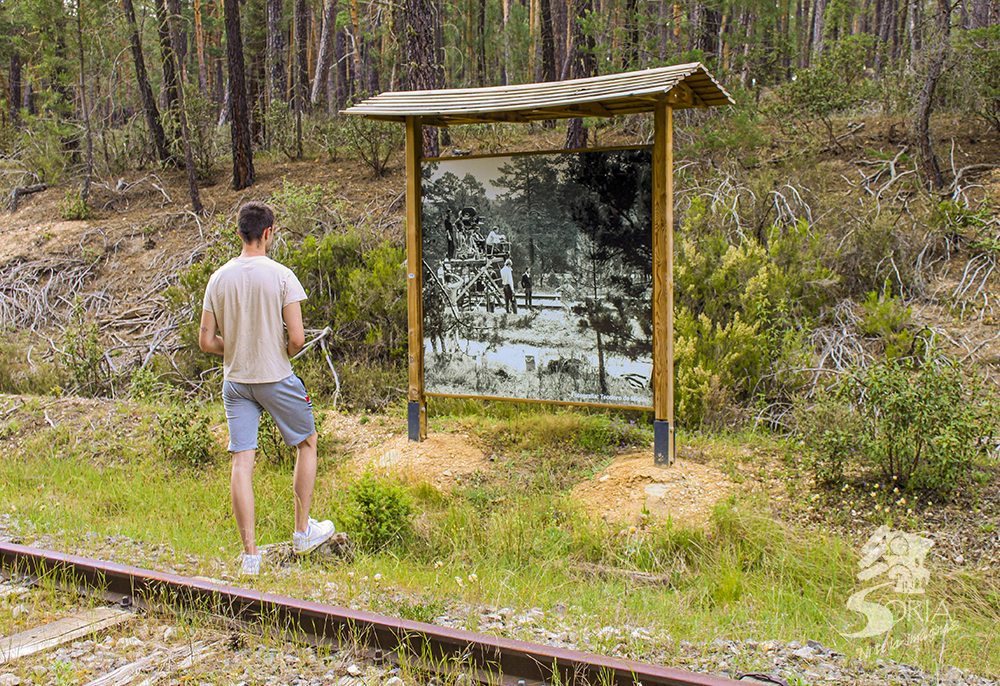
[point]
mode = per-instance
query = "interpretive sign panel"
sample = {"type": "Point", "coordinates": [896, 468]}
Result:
{"type": "Point", "coordinates": [537, 279]}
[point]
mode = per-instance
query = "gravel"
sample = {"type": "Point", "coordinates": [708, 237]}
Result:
{"type": "Point", "coordinates": [250, 659]}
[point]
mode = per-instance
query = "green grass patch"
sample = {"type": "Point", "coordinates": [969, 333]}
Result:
{"type": "Point", "coordinates": [510, 553]}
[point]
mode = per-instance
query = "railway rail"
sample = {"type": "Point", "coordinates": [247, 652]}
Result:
{"type": "Point", "coordinates": [450, 654]}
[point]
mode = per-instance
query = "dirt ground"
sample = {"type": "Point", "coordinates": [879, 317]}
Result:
{"type": "Point", "coordinates": [685, 492]}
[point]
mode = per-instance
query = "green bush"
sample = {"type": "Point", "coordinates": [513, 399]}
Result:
{"type": "Point", "coordinates": [83, 358]}
{"type": "Point", "coordinates": [888, 319]}
{"type": "Point", "coordinates": [978, 70]}
{"type": "Point", "coordinates": [374, 142]}
{"type": "Point", "coordinates": [182, 434]}
{"type": "Point", "coordinates": [379, 513]}
{"type": "Point", "coordinates": [73, 207]}
{"type": "Point", "coordinates": [271, 446]}
{"type": "Point", "coordinates": [916, 428]}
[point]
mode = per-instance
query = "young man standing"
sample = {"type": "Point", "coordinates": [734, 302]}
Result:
{"type": "Point", "coordinates": [250, 303]}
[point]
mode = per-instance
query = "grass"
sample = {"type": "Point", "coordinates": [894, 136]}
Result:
{"type": "Point", "coordinates": [512, 539]}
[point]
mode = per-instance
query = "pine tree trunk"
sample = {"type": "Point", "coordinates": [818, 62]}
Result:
{"type": "Point", "coordinates": [199, 39]}
{"type": "Point", "coordinates": [239, 118]}
{"type": "Point", "coordinates": [419, 20]}
{"type": "Point", "coordinates": [277, 85]}
{"type": "Point", "coordinates": [938, 49]}
{"type": "Point", "coordinates": [548, 60]}
{"type": "Point", "coordinates": [819, 30]}
{"type": "Point", "coordinates": [83, 104]}
{"type": "Point", "coordinates": [325, 50]}
{"type": "Point", "coordinates": [192, 173]}
{"type": "Point", "coordinates": [169, 72]}
{"type": "Point", "coordinates": [481, 43]}
{"type": "Point", "coordinates": [581, 64]}
{"type": "Point", "coordinates": [341, 51]}
{"type": "Point", "coordinates": [15, 88]}
{"type": "Point", "coordinates": [145, 92]}
{"type": "Point", "coordinates": [302, 68]}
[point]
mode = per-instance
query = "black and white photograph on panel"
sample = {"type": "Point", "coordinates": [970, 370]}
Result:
{"type": "Point", "coordinates": [538, 276]}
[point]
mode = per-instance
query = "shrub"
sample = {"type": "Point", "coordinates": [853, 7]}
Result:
{"type": "Point", "coordinates": [182, 434]}
{"type": "Point", "coordinates": [84, 359]}
{"type": "Point", "coordinates": [379, 513]}
{"type": "Point", "coordinates": [888, 319]}
{"type": "Point", "coordinates": [270, 445]}
{"type": "Point", "coordinates": [374, 142]}
{"type": "Point", "coordinates": [918, 428]}
{"type": "Point", "coordinates": [73, 207]}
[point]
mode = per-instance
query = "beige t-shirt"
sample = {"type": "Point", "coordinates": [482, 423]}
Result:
{"type": "Point", "coordinates": [247, 295]}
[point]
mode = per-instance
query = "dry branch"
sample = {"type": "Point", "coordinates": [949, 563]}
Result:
{"type": "Point", "coordinates": [21, 191]}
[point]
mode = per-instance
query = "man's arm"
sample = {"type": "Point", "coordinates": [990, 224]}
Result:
{"type": "Point", "coordinates": [292, 314]}
{"type": "Point", "coordinates": [209, 339]}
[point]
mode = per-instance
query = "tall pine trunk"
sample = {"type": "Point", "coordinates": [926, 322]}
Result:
{"type": "Point", "coordinates": [145, 92]}
{"type": "Point", "coordinates": [174, 10]}
{"type": "Point", "coordinates": [239, 117]}
{"type": "Point", "coordinates": [937, 50]}
{"type": "Point", "coordinates": [325, 51]}
{"type": "Point", "coordinates": [83, 104]}
{"type": "Point", "coordinates": [199, 39]}
{"type": "Point", "coordinates": [302, 68]}
{"type": "Point", "coordinates": [169, 70]}
{"type": "Point", "coordinates": [419, 17]}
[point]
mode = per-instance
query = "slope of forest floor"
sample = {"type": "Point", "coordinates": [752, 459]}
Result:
{"type": "Point", "coordinates": [145, 234]}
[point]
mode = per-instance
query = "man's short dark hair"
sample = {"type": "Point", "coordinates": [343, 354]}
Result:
{"type": "Point", "coordinates": [253, 218]}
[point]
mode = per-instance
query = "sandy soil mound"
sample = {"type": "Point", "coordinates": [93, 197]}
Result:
{"type": "Point", "coordinates": [686, 491]}
{"type": "Point", "coordinates": [443, 460]}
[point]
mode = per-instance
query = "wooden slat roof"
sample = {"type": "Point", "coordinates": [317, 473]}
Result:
{"type": "Point", "coordinates": [682, 86]}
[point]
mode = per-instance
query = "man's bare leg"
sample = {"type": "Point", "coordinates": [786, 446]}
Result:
{"type": "Point", "coordinates": [241, 486]}
{"type": "Point", "coordinates": [304, 480]}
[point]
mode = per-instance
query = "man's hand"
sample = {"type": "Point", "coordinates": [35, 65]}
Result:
{"type": "Point", "coordinates": [292, 314]}
{"type": "Point", "coordinates": [209, 339]}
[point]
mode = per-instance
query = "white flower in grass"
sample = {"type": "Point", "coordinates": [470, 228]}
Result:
{"type": "Point", "coordinates": [473, 578]}
{"type": "Point", "coordinates": [438, 564]}
{"type": "Point", "coordinates": [458, 580]}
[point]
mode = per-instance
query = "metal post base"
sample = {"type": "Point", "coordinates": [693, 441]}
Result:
{"type": "Point", "coordinates": [664, 448]}
{"type": "Point", "coordinates": [414, 410]}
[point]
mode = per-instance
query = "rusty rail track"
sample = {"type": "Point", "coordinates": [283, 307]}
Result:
{"type": "Point", "coordinates": [487, 659]}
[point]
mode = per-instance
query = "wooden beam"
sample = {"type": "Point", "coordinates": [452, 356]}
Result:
{"type": "Point", "coordinates": [60, 632]}
{"type": "Point", "coordinates": [663, 277]}
{"type": "Point", "coordinates": [691, 94]}
{"type": "Point", "coordinates": [415, 274]}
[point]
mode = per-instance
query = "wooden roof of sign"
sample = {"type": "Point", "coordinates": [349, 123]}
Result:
{"type": "Point", "coordinates": [681, 86]}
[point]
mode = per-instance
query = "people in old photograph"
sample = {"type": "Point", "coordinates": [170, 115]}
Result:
{"type": "Point", "coordinates": [526, 286]}
{"type": "Point", "coordinates": [553, 228]}
{"type": "Point", "coordinates": [507, 279]}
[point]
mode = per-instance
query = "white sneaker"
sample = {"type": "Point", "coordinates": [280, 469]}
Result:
{"type": "Point", "coordinates": [315, 535]}
{"type": "Point", "coordinates": [251, 565]}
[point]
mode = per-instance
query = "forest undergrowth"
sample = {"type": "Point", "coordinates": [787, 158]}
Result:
{"type": "Point", "coordinates": [830, 312]}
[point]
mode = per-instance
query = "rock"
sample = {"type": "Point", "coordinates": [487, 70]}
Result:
{"type": "Point", "coordinates": [794, 645]}
{"type": "Point", "coordinates": [129, 642]}
{"type": "Point", "coordinates": [395, 681]}
{"type": "Point", "coordinates": [952, 676]}
{"type": "Point", "coordinates": [354, 670]}
{"type": "Point", "coordinates": [18, 611]}
{"type": "Point", "coordinates": [804, 653]}
{"type": "Point", "coordinates": [9, 680]}
{"type": "Point", "coordinates": [818, 647]}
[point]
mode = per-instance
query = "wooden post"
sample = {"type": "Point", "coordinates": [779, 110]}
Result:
{"type": "Point", "coordinates": [663, 285]}
{"type": "Point", "coordinates": [417, 404]}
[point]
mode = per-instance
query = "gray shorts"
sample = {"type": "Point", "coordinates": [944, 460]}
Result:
{"type": "Point", "coordinates": [286, 401]}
